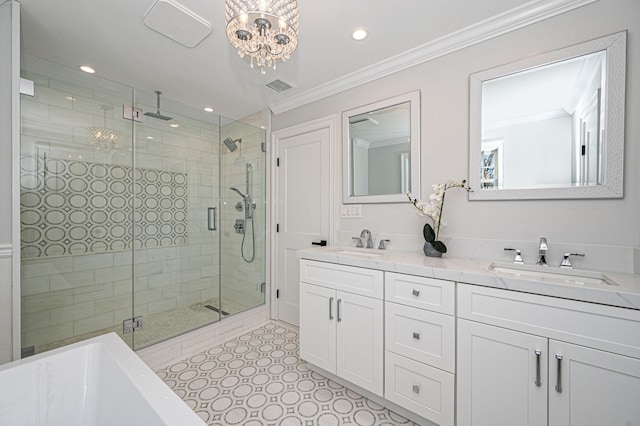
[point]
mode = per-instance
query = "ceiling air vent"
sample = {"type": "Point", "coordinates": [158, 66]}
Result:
{"type": "Point", "coordinates": [279, 85]}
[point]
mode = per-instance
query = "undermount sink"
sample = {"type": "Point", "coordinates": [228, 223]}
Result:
{"type": "Point", "coordinates": [366, 253]}
{"type": "Point", "coordinates": [553, 275]}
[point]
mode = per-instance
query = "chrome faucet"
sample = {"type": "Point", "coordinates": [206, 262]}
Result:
{"type": "Point", "coordinates": [517, 257]}
{"type": "Point", "coordinates": [382, 245]}
{"type": "Point", "coordinates": [542, 252]}
{"type": "Point", "coordinates": [566, 264]}
{"type": "Point", "coordinates": [367, 234]}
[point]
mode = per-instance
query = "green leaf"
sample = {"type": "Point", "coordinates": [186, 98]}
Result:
{"type": "Point", "coordinates": [439, 245]}
{"type": "Point", "coordinates": [428, 232]}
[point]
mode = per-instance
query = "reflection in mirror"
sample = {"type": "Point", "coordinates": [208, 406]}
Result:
{"type": "Point", "coordinates": [550, 126]}
{"type": "Point", "coordinates": [381, 149]}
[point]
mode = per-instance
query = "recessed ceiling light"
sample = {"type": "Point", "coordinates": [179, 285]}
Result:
{"type": "Point", "coordinates": [208, 109]}
{"type": "Point", "coordinates": [150, 137]}
{"type": "Point", "coordinates": [174, 125]}
{"type": "Point", "coordinates": [359, 33]}
{"type": "Point", "coordinates": [87, 69]}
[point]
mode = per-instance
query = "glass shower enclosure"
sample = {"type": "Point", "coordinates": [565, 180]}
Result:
{"type": "Point", "coordinates": [144, 221]}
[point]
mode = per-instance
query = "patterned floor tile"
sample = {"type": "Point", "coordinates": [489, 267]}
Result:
{"type": "Point", "coordinates": [258, 379]}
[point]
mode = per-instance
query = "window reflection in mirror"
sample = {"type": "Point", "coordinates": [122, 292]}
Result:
{"type": "Point", "coordinates": [380, 151]}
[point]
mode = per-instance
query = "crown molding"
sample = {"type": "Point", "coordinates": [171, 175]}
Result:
{"type": "Point", "coordinates": [511, 20]}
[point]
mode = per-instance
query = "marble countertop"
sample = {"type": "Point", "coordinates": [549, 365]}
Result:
{"type": "Point", "coordinates": [623, 290]}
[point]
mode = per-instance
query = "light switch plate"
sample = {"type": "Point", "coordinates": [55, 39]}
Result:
{"type": "Point", "coordinates": [351, 211]}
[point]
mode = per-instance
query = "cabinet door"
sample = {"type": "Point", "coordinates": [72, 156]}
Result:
{"type": "Point", "coordinates": [318, 326]}
{"type": "Point", "coordinates": [497, 376]}
{"type": "Point", "coordinates": [360, 341]}
{"type": "Point", "coordinates": [596, 387]}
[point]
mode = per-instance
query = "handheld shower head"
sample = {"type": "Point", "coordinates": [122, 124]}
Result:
{"type": "Point", "coordinates": [232, 144]}
{"type": "Point", "coordinates": [244, 197]}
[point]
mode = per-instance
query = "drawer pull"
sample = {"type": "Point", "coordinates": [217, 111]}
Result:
{"type": "Point", "coordinates": [559, 379]}
{"type": "Point", "coordinates": [538, 354]}
{"type": "Point", "coordinates": [415, 292]}
{"type": "Point", "coordinates": [331, 308]}
{"type": "Point", "coordinates": [416, 335]}
{"type": "Point", "coordinates": [416, 389]}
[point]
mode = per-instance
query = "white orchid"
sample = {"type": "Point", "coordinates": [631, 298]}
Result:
{"type": "Point", "coordinates": [433, 210]}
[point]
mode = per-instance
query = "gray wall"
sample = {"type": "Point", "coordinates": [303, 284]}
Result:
{"type": "Point", "coordinates": [9, 30]}
{"type": "Point", "coordinates": [6, 65]}
{"type": "Point", "coordinates": [444, 86]}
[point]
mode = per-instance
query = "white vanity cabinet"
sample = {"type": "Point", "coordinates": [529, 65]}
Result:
{"type": "Point", "coordinates": [420, 346]}
{"type": "Point", "coordinates": [341, 322]}
{"type": "Point", "coordinates": [534, 360]}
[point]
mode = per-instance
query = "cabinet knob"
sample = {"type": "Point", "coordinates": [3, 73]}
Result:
{"type": "Point", "coordinates": [416, 335]}
{"type": "Point", "coordinates": [416, 292]}
{"type": "Point", "coordinates": [416, 389]}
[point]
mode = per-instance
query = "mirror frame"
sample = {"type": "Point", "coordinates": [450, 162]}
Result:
{"type": "Point", "coordinates": [414, 136]}
{"type": "Point", "coordinates": [615, 47]}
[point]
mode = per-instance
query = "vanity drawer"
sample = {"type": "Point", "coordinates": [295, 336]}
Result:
{"type": "Point", "coordinates": [588, 324]}
{"type": "Point", "coordinates": [421, 335]}
{"type": "Point", "coordinates": [419, 388]}
{"type": "Point", "coordinates": [363, 281]}
{"type": "Point", "coordinates": [420, 292]}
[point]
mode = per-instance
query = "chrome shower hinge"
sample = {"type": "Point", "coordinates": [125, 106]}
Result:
{"type": "Point", "coordinates": [131, 324]}
{"type": "Point", "coordinates": [131, 113]}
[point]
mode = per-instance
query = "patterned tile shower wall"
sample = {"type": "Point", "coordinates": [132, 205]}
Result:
{"type": "Point", "coordinates": [75, 207]}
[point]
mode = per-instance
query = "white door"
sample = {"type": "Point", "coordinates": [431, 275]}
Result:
{"type": "Point", "coordinates": [360, 347]}
{"type": "Point", "coordinates": [597, 388]}
{"type": "Point", "coordinates": [497, 376]}
{"type": "Point", "coordinates": [318, 326]}
{"type": "Point", "coordinates": [303, 210]}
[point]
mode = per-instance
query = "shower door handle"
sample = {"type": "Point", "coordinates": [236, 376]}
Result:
{"type": "Point", "coordinates": [212, 218]}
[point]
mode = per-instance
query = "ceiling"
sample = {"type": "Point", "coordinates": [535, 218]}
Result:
{"type": "Point", "coordinates": [111, 37]}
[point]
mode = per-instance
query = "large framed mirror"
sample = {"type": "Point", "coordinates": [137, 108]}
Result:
{"type": "Point", "coordinates": [550, 126]}
{"type": "Point", "coordinates": [381, 151]}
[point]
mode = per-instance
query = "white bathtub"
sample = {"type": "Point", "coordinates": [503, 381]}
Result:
{"type": "Point", "coordinates": [97, 382]}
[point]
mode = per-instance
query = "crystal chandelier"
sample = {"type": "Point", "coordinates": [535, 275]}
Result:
{"type": "Point", "coordinates": [265, 30]}
{"type": "Point", "coordinates": [103, 138]}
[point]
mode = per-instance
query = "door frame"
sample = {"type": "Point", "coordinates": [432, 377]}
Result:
{"type": "Point", "coordinates": [330, 122]}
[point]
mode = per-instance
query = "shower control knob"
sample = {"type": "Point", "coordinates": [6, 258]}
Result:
{"type": "Point", "coordinates": [321, 243]}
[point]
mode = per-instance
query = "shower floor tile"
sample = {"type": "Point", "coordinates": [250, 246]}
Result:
{"type": "Point", "coordinates": [163, 325]}
{"type": "Point", "coordinates": [259, 379]}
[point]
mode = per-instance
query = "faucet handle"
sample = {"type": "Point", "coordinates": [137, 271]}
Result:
{"type": "Point", "coordinates": [382, 246]}
{"type": "Point", "coordinates": [565, 260]}
{"type": "Point", "coordinates": [518, 257]}
{"type": "Point", "coordinates": [359, 243]}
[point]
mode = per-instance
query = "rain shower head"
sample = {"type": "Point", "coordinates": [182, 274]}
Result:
{"type": "Point", "coordinates": [157, 114]}
{"type": "Point", "coordinates": [231, 144]}
{"type": "Point", "coordinates": [244, 197]}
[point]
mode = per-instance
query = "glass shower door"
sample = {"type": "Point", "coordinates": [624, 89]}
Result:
{"type": "Point", "coordinates": [243, 219]}
{"type": "Point", "coordinates": [75, 213]}
{"type": "Point", "coordinates": [175, 209]}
